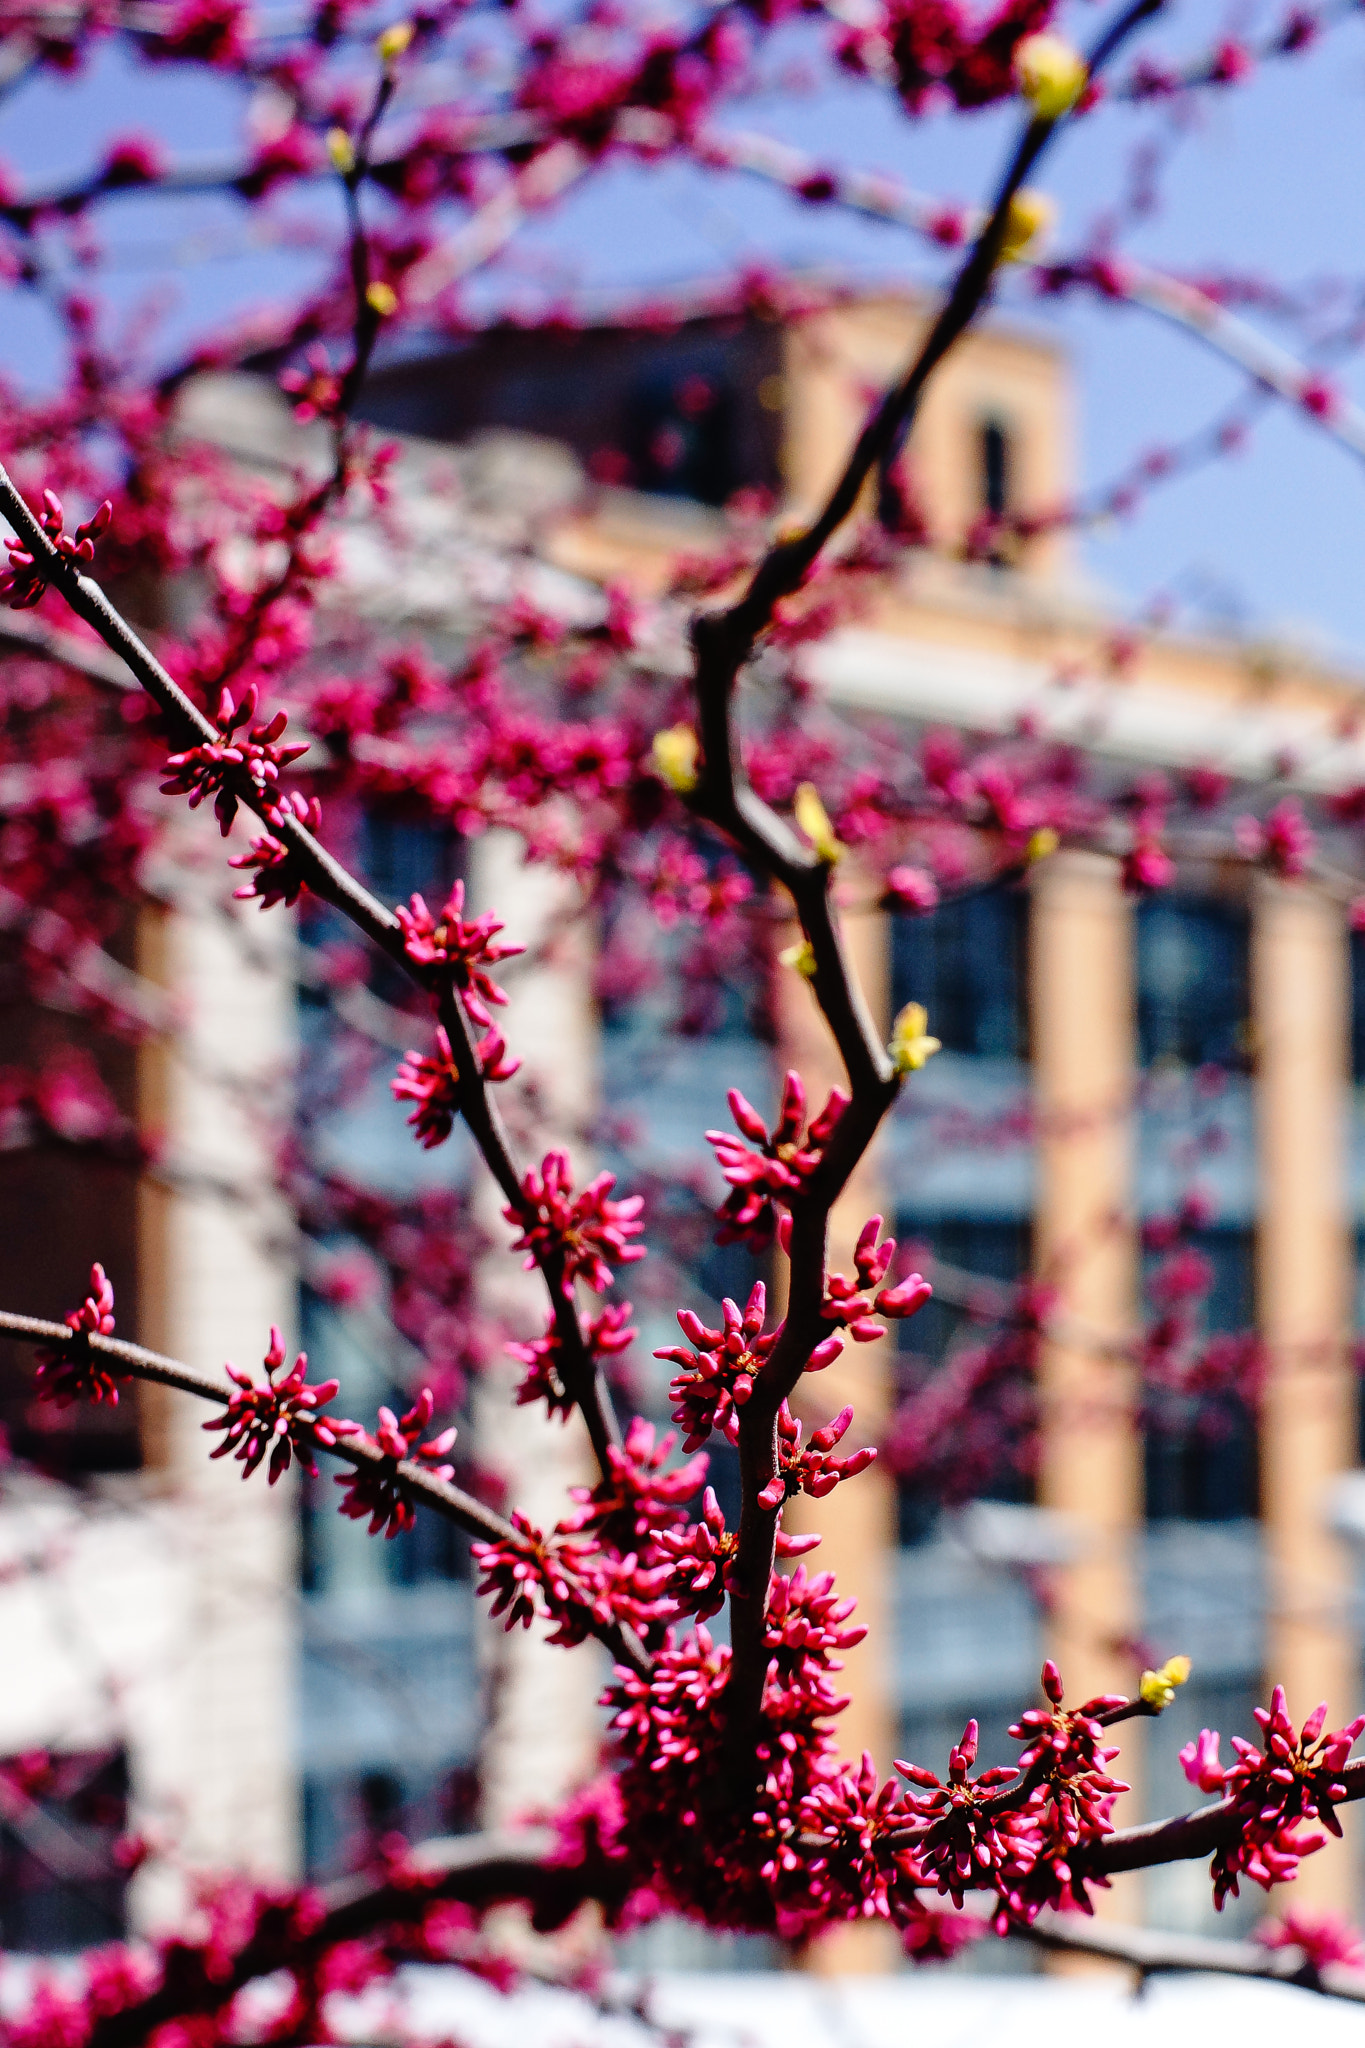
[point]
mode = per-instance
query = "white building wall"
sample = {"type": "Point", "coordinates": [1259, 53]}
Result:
{"type": "Point", "coordinates": [156, 1611]}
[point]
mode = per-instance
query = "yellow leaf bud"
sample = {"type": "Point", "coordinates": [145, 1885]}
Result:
{"type": "Point", "coordinates": [394, 40]}
{"type": "Point", "coordinates": [813, 819]}
{"type": "Point", "coordinates": [675, 758]}
{"type": "Point", "coordinates": [911, 1044]}
{"type": "Point", "coordinates": [801, 956]}
{"type": "Point", "coordinates": [1030, 215]}
{"type": "Point", "coordinates": [1158, 1688]}
{"type": "Point", "coordinates": [1041, 843]}
{"type": "Point", "coordinates": [341, 150]}
{"type": "Point", "coordinates": [382, 299]}
{"type": "Point", "coordinates": [1052, 76]}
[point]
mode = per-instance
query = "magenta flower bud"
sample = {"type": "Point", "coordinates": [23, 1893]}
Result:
{"type": "Point", "coordinates": [906, 1299]}
{"type": "Point", "coordinates": [747, 1117]}
{"type": "Point", "coordinates": [824, 1354]}
{"type": "Point", "coordinates": [825, 1439]}
{"type": "Point", "coordinates": [866, 1330]}
{"type": "Point", "coordinates": [868, 1235]}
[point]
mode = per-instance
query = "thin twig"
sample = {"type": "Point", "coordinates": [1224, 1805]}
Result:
{"type": "Point", "coordinates": [449, 1501]}
{"type": "Point", "coordinates": [1157, 1951]}
{"type": "Point", "coordinates": [1195, 311]}
{"type": "Point", "coordinates": [332, 883]}
{"type": "Point", "coordinates": [723, 641]}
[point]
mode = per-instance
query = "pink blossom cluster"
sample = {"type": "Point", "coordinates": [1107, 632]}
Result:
{"type": "Point", "coordinates": [944, 55]}
{"type": "Point", "coordinates": [855, 1304]}
{"type": "Point", "coordinates": [703, 1556]}
{"type": "Point", "coordinates": [379, 1489]}
{"type": "Point", "coordinates": [277, 876]}
{"type": "Point", "coordinates": [641, 1498]}
{"type": "Point", "coordinates": [1189, 1375]}
{"type": "Point", "coordinates": [627, 1552]}
{"type": "Point", "coordinates": [1147, 866]}
{"type": "Point", "coordinates": [66, 1101]}
{"type": "Point", "coordinates": [606, 1336]}
{"type": "Point", "coordinates": [241, 754]}
{"type": "Point", "coordinates": [196, 1973]}
{"type": "Point", "coordinates": [974, 1418]}
{"type": "Point", "coordinates": [1284, 840]}
{"type": "Point", "coordinates": [280, 1417]}
{"type": "Point", "coordinates": [677, 883]}
{"type": "Point", "coordinates": [536, 1574]}
{"type": "Point", "coordinates": [1065, 1761]}
{"type": "Point", "coordinates": [825, 1841]}
{"type": "Point", "coordinates": [313, 385]}
{"type": "Point", "coordinates": [719, 1370]}
{"type": "Point", "coordinates": [73, 1372]}
{"type": "Point", "coordinates": [619, 1538]}
{"type": "Point", "coordinates": [811, 1468]}
{"type": "Point", "coordinates": [769, 1168]}
{"type": "Point", "coordinates": [463, 949]}
{"type": "Point", "coordinates": [1322, 1938]}
{"type": "Point", "coordinates": [432, 1082]}
{"type": "Point", "coordinates": [584, 92]}
{"type": "Point", "coordinates": [582, 1232]}
{"type": "Point", "coordinates": [24, 582]}
{"type": "Point", "coordinates": [669, 1728]}
{"type": "Point", "coordinates": [1275, 1792]}
{"type": "Point", "coordinates": [966, 1835]}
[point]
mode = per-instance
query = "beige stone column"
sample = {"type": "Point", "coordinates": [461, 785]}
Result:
{"type": "Point", "coordinates": [1084, 1059]}
{"type": "Point", "coordinates": [544, 1729]}
{"type": "Point", "coordinates": [211, 1735]}
{"type": "Point", "coordinates": [1301, 1023]}
{"type": "Point", "coordinates": [857, 1522]}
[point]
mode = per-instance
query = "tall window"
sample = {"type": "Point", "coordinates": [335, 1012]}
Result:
{"type": "Point", "coordinates": [684, 1015]}
{"type": "Point", "coordinates": [1200, 1454]}
{"type": "Point", "coordinates": [1193, 1003]}
{"type": "Point", "coordinates": [389, 1707]}
{"type": "Point", "coordinates": [1358, 1078]}
{"type": "Point", "coordinates": [957, 1337]}
{"type": "Point", "coordinates": [358, 1149]}
{"type": "Point", "coordinates": [996, 463]}
{"type": "Point", "coordinates": [1358, 1006]}
{"type": "Point", "coordinates": [61, 1884]}
{"type": "Point", "coordinates": [681, 434]}
{"type": "Point", "coordinates": [1193, 982]}
{"type": "Point", "coordinates": [961, 1180]}
{"type": "Point", "coordinates": [967, 963]}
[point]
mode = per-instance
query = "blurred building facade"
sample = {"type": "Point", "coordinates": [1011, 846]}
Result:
{"type": "Point", "coordinates": [285, 1687]}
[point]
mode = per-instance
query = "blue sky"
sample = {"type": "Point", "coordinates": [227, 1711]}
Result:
{"type": "Point", "coordinates": [1268, 179]}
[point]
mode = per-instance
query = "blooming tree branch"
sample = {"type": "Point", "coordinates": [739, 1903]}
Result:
{"type": "Point", "coordinates": [282, 1417]}
{"type": "Point", "coordinates": [727, 1798]}
{"type": "Point", "coordinates": [723, 641]}
{"type": "Point", "coordinates": [332, 883]}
